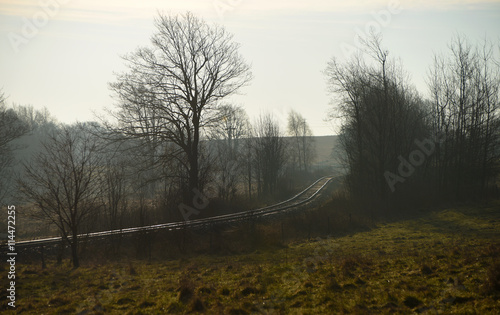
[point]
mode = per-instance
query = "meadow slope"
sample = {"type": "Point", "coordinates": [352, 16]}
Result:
{"type": "Point", "coordinates": [443, 261]}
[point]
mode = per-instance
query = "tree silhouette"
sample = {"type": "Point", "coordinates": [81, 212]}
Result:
{"type": "Point", "coordinates": [382, 117]}
{"type": "Point", "coordinates": [302, 142]}
{"type": "Point", "coordinates": [63, 181]}
{"type": "Point", "coordinates": [268, 153]}
{"type": "Point", "coordinates": [172, 88]}
{"type": "Point", "coordinates": [11, 128]}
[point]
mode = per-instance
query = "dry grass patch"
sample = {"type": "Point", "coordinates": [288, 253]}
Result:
{"type": "Point", "coordinates": [440, 262]}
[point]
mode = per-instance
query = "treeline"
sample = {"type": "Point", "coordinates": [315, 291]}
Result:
{"type": "Point", "coordinates": [22, 129]}
{"type": "Point", "coordinates": [172, 149]}
{"type": "Point", "coordinates": [401, 149]}
{"type": "Point", "coordinates": [85, 177]}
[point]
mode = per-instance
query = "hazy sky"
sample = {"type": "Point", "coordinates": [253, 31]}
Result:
{"type": "Point", "coordinates": [62, 54]}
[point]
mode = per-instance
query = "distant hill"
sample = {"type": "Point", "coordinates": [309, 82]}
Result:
{"type": "Point", "coordinates": [327, 150]}
{"type": "Point", "coordinates": [325, 146]}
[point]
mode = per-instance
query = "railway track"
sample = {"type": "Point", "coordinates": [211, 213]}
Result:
{"type": "Point", "coordinates": [301, 198]}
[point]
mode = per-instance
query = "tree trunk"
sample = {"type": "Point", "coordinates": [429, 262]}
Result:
{"type": "Point", "coordinates": [249, 180]}
{"type": "Point", "coordinates": [74, 251]}
{"type": "Point", "coordinates": [194, 181]}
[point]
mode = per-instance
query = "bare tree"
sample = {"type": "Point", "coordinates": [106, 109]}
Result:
{"type": "Point", "coordinates": [227, 138]}
{"type": "Point", "coordinates": [63, 182]}
{"type": "Point", "coordinates": [115, 189]}
{"type": "Point", "coordinates": [465, 102]}
{"type": "Point", "coordinates": [302, 146]}
{"type": "Point", "coordinates": [382, 117]}
{"type": "Point", "coordinates": [268, 154]}
{"type": "Point", "coordinates": [232, 125]}
{"type": "Point", "coordinates": [171, 89]}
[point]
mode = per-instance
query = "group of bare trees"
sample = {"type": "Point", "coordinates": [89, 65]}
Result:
{"type": "Point", "coordinates": [172, 140]}
{"type": "Point", "coordinates": [256, 156]}
{"type": "Point", "coordinates": [11, 128]}
{"type": "Point", "coordinates": [20, 127]}
{"type": "Point", "coordinates": [170, 98]}
{"type": "Point", "coordinates": [85, 178]}
{"type": "Point", "coordinates": [465, 107]}
{"type": "Point", "coordinates": [401, 149]}
{"type": "Point", "coordinates": [171, 90]}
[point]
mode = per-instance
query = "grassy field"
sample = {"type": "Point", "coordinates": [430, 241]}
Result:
{"type": "Point", "coordinates": [437, 262]}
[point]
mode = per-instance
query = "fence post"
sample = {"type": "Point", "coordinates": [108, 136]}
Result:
{"type": "Point", "coordinates": [43, 258]}
{"type": "Point", "coordinates": [282, 233]}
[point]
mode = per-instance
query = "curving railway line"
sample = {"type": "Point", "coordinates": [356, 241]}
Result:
{"type": "Point", "coordinates": [301, 198]}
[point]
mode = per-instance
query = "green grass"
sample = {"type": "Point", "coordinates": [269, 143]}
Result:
{"type": "Point", "coordinates": [440, 262]}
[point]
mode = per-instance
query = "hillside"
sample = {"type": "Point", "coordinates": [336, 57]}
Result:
{"type": "Point", "coordinates": [442, 261]}
{"type": "Point", "coordinates": [326, 151]}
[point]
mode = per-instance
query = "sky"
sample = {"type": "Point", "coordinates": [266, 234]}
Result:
{"type": "Point", "coordinates": [62, 54]}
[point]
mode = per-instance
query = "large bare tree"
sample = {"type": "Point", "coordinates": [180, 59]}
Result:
{"type": "Point", "coordinates": [171, 88]}
{"type": "Point", "coordinates": [63, 182]}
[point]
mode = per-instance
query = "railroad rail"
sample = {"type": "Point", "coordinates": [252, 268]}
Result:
{"type": "Point", "coordinates": [299, 199]}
